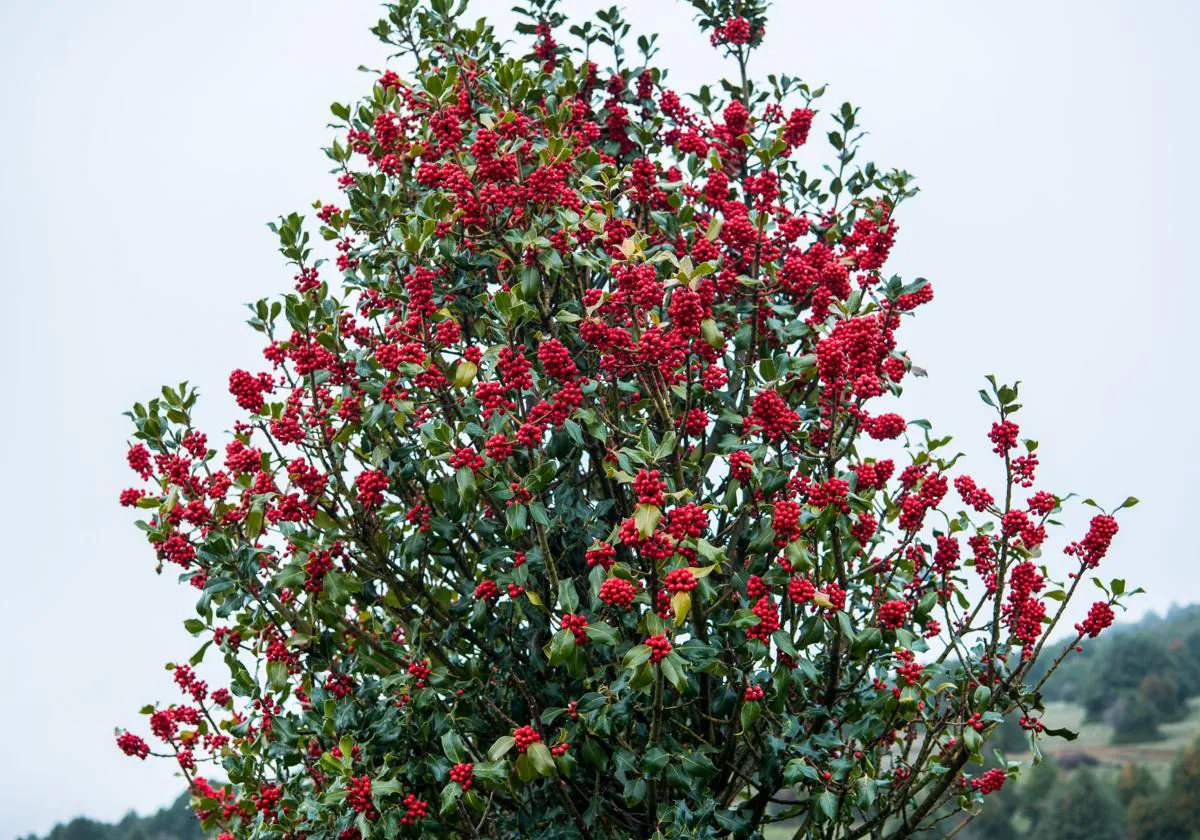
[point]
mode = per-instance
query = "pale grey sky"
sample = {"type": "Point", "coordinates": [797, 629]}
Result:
{"type": "Point", "coordinates": [149, 142]}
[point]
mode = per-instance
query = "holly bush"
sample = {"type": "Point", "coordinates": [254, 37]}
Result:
{"type": "Point", "coordinates": [565, 501]}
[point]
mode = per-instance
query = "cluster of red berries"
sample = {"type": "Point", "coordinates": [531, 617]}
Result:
{"type": "Point", "coordinates": [736, 30]}
{"type": "Point", "coordinates": [467, 457]}
{"type": "Point", "coordinates": [577, 624]}
{"type": "Point", "coordinates": [525, 737]}
{"type": "Point", "coordinates": [421, 671]}
{"type": "Point", "coordinates": [463, 773]}
{"type": "Point", "coordinates": [786, 522]}
{"type": "Point", "coordinates": [1092, 549]}
{"type": "Point", "coordinates": [1004, 436]}
{"type": "Point", "coordinates": [358, 796]}
{"type": "Point", "coordinates": [659, 646]}
{"type": "Point", "coordinates": [990, 782]}
{"type": "Point", "coordinates": [768, 619]}
{"type": "Point", "coordinates": [885, 426]}
{"type": "Point", "coordinates": [973, 495]}
{"type": "Point", "coordinates": [415, 810]}
{"type": "Point", "coordinates": [753, 692]}
{"type": "Point", "coordinates": [131, 744]}
{"type": "Point", "coordinates": [801, 590]}
{"type": "Point", "coordinates": [487, 591]}
{"type": "Point", "coordinates": [740, 464]}
{"type": "Point", "coordinates": [618, 592]}
{"type": "Point", "coordinates": [603, 555]}
{"type": "Point", "coordinates": [339, 685]}
{"type": "Point", "coordinates": [680, 580]}
{"type": "Point", "coordinates": [771, 415]}
{"type": "Point", "coordinates": [370, 486]}
{"type": "Point", "coordinates": [649, 488]}
{"type": "Point", "coordinates": [836, 596]}
{"type": "Point", "coordinates": [248, 389]}
{"type": "Point", "coordinates": [908, 669]}
{"type": "Point", "coordinates": [893, 614]}
{"type": "Point", "coordinates": [1099, 617]}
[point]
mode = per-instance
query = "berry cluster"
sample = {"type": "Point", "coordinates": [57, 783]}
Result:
{"type": "Point", "coordinates": [525, 736]}
{"type": "Point", "coordinates": [618, 592]}
{"type": "Point", "coordinates": [659, 646]}
{"type": "Point", "coordinates": [463, 773]}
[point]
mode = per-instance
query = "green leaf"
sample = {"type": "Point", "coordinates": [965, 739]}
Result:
{"type": "Point", "coordinates": [750, 713]}
{"type": "Point", "coordinates": [198, 656]}
{"type": "Point", "coordinates": [525, 769]}
{"type": "Point", "coordinates": [709, 552]}
{"type": "Point", "coordinates": [450, 794]}
{"type": "Point", "coordinates": [784, 642]}
{"type": "Point", "coordinates": [501, 746]}
{"type": "Point", "coordinates": [797, 769]}
{"type": "Point", "coordinates": [560, 646]}
{"type": "Point", "coordinates": [466, 483]}
{"type": "Point", "coordinates": [543, 761]}
{"type": "Point", "coordinates": [655, 759]}
{"type": "Point", "coordinates": [844, 625]}
{"type": "Point", "coordinates": [277, 675]}
{"type": "Point", "coordinates": [568, 599]}
{"type": "Point", "coordinates": [866, 791]}
{"type": "Point", "coordinates": [602, 632]}
{"type": "Point", "coordinates": [491, 771]}
{"type": "Point", "coordinates": [1064, 733]}
{"type": "Point", "coordinates": [635, 791]}
{"type": "Point", "coordinates": [453, 746]}
{"type": "Point", "coordinates": [982, 695]}
{"type": "Point", "coordinates": [673, 672]}
{"type": "Point", "coordinates": [712, 333]}
{"type": "Point", "coordinates": [637, 656]}
{"type": "Point", "coordinates": [827, 802]}
{"type": "Point", "coordinates": [254, 520]}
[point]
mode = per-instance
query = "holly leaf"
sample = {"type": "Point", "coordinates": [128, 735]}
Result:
{"type": "Point", "coordinates": [539, 756]}
{"type": "Point", "coordinates": [681, 604]}
{"type": "Point", "coordinates": [637, 656]}
{"type": "Point", "coordinates": [646, 518]}
{"type": "Point", "coordinates": [501, 746]}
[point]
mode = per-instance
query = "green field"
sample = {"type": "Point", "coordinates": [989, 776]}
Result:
{"type": "Point", "coordinates": [1095, 739]}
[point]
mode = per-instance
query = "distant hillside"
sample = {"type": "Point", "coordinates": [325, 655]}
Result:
{"type": "Point", "coordinates": [1153, 665]}
{"type": "Point", "coordinates": [173, 823]}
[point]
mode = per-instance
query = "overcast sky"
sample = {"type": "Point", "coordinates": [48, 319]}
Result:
{"type": "Point", "coordinates": [149, 142]}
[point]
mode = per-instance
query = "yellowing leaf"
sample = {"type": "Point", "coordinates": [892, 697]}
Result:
{"type": "Point", "coordinates": [681, 604]}
{"type": "Point", "coordinates": [465, 373]}
{"type": "Point", "coordinates": [646, 517]}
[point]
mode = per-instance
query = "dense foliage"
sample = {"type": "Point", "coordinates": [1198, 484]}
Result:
{"type": "Point", "coordinates": [568, 503]}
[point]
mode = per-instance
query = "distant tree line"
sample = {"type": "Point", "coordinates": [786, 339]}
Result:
{"type": "Point", "coordinates": [174, 823]}
{"type": "Point", "coordinates": [1054, 803]}
{"type": "Point", "coordinates": [1137, 676]}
